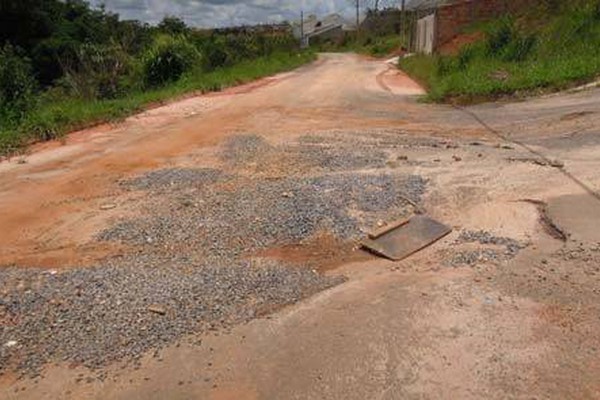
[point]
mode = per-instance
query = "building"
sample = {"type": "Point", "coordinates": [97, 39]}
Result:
{"type": "Point", "coordinates": [330, 27]}
{"type": "Point", "coordinates": [440, 21]}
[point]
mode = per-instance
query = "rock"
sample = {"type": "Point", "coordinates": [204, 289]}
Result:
{"type": "Point", "coordinates": [456, 158]}
{"type": "Point", "coordinates": [11, 343]}
{"type": "Point", "coordinates": [499, 75]}
{"type": "Point", "coordinates": [157, 309]}
{"type": "Point", "coordinates": [105, 207]}
{"type": "Point", "coordinates": [557, 164]}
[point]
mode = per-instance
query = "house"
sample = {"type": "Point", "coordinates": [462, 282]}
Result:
{"type": "Point", "coordinates": [440, 21]}
{"type": "Point", "coordinates": [330, 27]}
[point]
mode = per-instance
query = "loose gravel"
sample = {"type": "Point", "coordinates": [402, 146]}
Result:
{"type": "Point", "coordinates": [190, 257]}
{"type": "Point", "coordinates": [254, 215]}
{"type": "Point", "coordinates": [93, 316]}
{"type": "Point", "coordinates": [496, 249]}
{"type": "Point", "coordinates": [176, 177]}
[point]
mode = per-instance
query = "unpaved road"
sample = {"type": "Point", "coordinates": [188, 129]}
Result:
{"type": "Point", "coordinates": [502, 308]}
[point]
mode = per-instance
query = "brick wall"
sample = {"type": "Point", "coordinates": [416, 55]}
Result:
{"type": "Point", "coordinates": [454, 17]}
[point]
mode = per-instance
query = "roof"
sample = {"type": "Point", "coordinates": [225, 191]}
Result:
{"type": "Point", "coordinates": [428, 4]}
{"type": "Point", "coordinates": [314, 26]}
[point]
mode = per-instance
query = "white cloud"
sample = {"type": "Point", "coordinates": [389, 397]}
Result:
{"type": "Point", "coordinates": [211, 13]}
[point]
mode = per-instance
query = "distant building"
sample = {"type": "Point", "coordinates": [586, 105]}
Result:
{"type": "Point", "coordinates": [440, 21]}
{"type": "Point", "coordinates": [330, 27]}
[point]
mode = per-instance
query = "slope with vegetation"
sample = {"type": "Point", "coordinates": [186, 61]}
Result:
{"type": "Point", "coordinates": [553, 46]}
{"type": "Point", "coordinates": [65, 65]}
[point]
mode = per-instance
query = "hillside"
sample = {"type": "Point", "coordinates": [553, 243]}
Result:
{"type": "Point", "coordinates": [553, 46]}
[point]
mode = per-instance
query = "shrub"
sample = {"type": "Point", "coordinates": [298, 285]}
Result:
{"type": "Point", "coordinates": [519, 48]}
{"type": "Point", "coordinates": [98, 72]}
{"type": "Point", "coordinates": [17, 84]}
{"type": "Point", "coordinates": [168, 59]}
{"type": "Point", "coordinates": [499, 35]}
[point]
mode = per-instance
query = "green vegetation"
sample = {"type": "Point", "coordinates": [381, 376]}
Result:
{"type": "Point", "coordinates": [380, 35]}
{"type": "Point", "coordinates": [65, 65]}
{"type": "Point", "coordinates": [373, 45]}
{"type": "Point", "coordinates": [554, 46]}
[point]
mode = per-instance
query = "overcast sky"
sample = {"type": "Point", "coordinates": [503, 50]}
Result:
{"type": "Point", "coordinates": [212, 13]}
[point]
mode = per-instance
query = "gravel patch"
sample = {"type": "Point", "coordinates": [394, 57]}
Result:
{"type": "Point", "coordinates": [257, 214]}
{"type": "Point", "coordinates": [244, 149]}
{"type": "Point", "coordinates": [324, 152]}
{"type": "Point", "coordinates": [119, 311]}
{"type": "Point", "coordinates": [173, 177]}
{"type": "Point", "coordinates": [496, 249]}
{"type": "Point", "coordinates": [513, 247]}
{"type": "Point", "coordinates": [189, 261]}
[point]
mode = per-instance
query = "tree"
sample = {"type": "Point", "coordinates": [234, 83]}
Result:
{"type": "Point", "coordinates": [173, 26]}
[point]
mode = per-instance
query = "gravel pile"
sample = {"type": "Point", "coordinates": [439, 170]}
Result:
{"type": "Point", "coordinates": [257, 214]}
{"type": "Point", "coordinates": [93, 316]}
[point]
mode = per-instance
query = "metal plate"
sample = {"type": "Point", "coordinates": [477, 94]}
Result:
{"type": "Point", "coordinates": [408, 239]}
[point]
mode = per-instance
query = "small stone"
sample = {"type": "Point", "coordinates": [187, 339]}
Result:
{"type": "Point", "coordinates": [105, 207]}
{"type": "Point", "coordinates": [11, 343]}
{"type": "Point", "coordinates": [157, 309]}
{"type": "Point", "coordinates": [557, 164]}
{"type": "Point", "coordinates": [456, 158]}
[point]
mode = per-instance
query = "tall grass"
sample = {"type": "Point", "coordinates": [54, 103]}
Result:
{"type": "Point", "coordinates": [54, 117]}
{"type": "Point", "coordinates": [549, 49]}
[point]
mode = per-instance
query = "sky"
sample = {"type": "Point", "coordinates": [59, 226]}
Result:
{"type": "Point", "coordinates": [216, 13]}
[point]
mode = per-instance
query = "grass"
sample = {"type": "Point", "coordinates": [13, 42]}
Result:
{"type": "Point", "coordinates": [376, 46]}
{"type": "Point", "coordinates": [517, 57]}
{"type": "Point", "coordinates": [379, 46]}
{"type": "Point", "coordinates": [53, 118]}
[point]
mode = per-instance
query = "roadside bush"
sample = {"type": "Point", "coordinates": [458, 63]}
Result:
{"type": "Point", "coordinates": [98, 72]}
{"type": "Point", "coordinates": [499, 35]}
{"type": "Point", "coordinates": [505, 42]}
{"type": "Point", "coordinates": [217, 53]}
{"type": "Point", "coordinates": [17, 84]}
{"type": "Point", "coordinates": [168, 59]}
{"type": "Point", "coordinates": [520, 48]}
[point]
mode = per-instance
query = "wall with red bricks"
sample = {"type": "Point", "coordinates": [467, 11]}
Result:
{"type": "Point", "coordinates": [454, 17]}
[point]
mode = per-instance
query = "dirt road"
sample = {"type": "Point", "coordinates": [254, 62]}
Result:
{"type": "Point", "coordinates": [505, 307]}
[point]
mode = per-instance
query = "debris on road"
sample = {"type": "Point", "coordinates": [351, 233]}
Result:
{"type": "Point", "coordinates": [408, 238]}
{"type": "Point", "coordinates": [157, 309]}
{"type": "Point", "coordinates": [385, 228]}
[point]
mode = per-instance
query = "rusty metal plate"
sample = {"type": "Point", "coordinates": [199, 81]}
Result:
{"type": "Point", "coordinates": [408, 239]}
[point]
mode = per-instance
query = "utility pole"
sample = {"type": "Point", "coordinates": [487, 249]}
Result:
{"type": "Point", "coordinates": [357, 20]}
{"type": "Point", "coordinates": [403, 21]}
{"type": "Point", "coordinates": [302, 29]}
